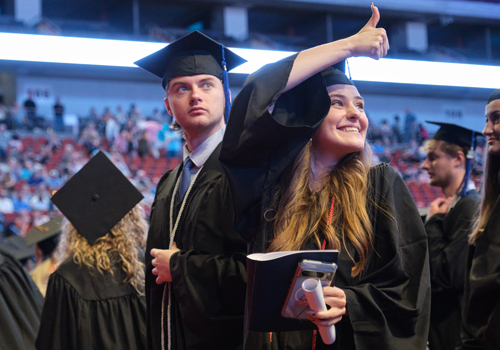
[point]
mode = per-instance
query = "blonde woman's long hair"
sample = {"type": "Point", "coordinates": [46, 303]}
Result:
{"type": "Point", "coordinates": [118, 245]}
{"type": "Point", "coordinates": [489, 195]}
{"type": "Point", "coordinates": [303, 216]}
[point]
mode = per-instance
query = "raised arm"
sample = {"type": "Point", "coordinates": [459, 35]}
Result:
{"type": "Point", "coordinates": [370, 41]}
{"type": "Point", "coordinates": [264, 132]}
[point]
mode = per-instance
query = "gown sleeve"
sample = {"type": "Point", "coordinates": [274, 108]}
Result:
{"type": "Point", "coordinates": [448, 242]}
{"type": "Point", "coordinates": [89, 310]}
{"type": "Point", "coordinates": [389, 303]}
{"type": "Point", "coordinates": [483, 312]}
{"type": "Point", "coordinates": [60, 318]}
{"type": "Point", "coordinates": [258, 146]}
{"type": "Point", "coordinates": [20, 306]}
{"type": "Point", "coordinates": [209, 272]}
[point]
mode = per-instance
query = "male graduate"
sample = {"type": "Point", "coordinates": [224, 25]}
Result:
{"type": "Point", "coordinates": [46, 237]}
{"type": "Point", "coordinates": [448, 225]}
{"type": "Point", "coordinates": [195, 275]}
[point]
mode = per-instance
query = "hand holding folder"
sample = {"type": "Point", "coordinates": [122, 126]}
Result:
{"type": "Point", "coordinates": [269, 279]}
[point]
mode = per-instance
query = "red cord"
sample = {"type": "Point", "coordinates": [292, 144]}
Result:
{"type": "Point", "coordinates": [330, 215]}
{"type": "Point", "coordinates": [323, 246]}
{"type": "Point", "coordinates": [315, 333]}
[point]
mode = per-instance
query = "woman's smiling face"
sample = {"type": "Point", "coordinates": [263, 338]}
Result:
{"type": "Point", "coordinates": [344, 129]}
{"type": "Point", "coordinates": [492, 127]}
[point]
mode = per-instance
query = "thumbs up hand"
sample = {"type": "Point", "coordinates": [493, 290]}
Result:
{"type": "Point", "coordinates": [370, 41]}
{"type": "Point", "coordinates": [373, 21]}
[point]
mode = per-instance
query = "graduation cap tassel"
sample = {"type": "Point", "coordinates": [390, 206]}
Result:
{"type": "Point", "coordinates": [470, 156]}
{"type": "Point", "coordinates": [225, 82]}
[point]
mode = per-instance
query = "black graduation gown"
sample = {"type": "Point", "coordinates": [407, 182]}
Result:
{"type": "Point", "coordinates": [389, 303]}
{"type": "Point", "coordinates": [482, 289]}
{"type": "Point", "coordinates": [85, 309]}
{"type": "Point", "coordinates": [209, 272]}
{"type": "Point", "coordinates": [448, 237]}
{"type": "Point", "coordinates": [20, 306]}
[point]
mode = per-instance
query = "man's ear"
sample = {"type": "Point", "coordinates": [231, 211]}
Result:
{"type": "Point", "coordinates": [460, 159]}
{"type": "Point", "coordinates": [230, 98]}
{"type": "Point", "coordinates": [167, 106]}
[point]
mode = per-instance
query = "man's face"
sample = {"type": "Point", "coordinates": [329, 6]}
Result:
{"type": "Point", "coordinates": [440, 166]}
{"type": "Point", "coordinates": [196, 102]}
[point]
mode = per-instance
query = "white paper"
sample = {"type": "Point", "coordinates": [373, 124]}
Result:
{"type": "Point", "coordinates": [314, 295]}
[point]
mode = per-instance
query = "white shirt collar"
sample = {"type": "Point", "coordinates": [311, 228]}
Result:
{"type": "Point", "coordinates": [200, 155]}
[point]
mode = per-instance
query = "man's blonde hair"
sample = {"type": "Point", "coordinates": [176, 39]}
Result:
{"type": "Point", "coordinates": [449, 148]}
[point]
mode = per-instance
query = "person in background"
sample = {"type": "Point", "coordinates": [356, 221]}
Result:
{"type": "Point", "coordinates": [448, 226]}
{"type": "Point", "coordinates": [30, 111]}
{"type": "Point", "coordinates": [121, 116]}
{"type": "Point", "coordinates": [3, 112]}
{"type": "Point", "coordinates": [13, 118]}
{"type": "Point", "coordinates": [17, 247]}
{"type": "Point", "coordinates": [95, 298]}
{"type": "Point", "coordinates": [481, 312]}
{"type": "Point", "coordinates": [20, 302]}
{"type": "Point", "coordinates": [143, 145]}
{"type": "Point", "coordinates": [298, 164]}
{"type": "Point", "coordinates": [396, 131]}
{"type": "Point", "coordinates": [58, 115]}
{"type": "Point", "coordinates": [410, 127]}
{"type": "Point", "coordinates": [195, 287]}
{"type": "Point", "coordinates": [6, 202]}
{"type": "Point", "coordinates": [45, 236]}
{"type": "Point", "coordinates": [173, 142]}
{"type": "Point", "coordinates": [112, 129]}
{"type": "Point", "coordinates": [5, 137]}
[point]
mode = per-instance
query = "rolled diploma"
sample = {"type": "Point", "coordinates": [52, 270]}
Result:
{"type": "Point", "coordinates": [314, 295]}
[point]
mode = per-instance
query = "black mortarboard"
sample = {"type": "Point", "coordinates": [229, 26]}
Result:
{"type": "Point", "coordinates": [17, 247]}
{"type": "Point", "coordinates": [456, 135]}
{"type": "Point", "coordinates": [45, 235]}
{"type": "Point", "coordinates": [333, 75]}
{"type": "Point", "coordinates": [341, 66]}
{"type": "Point", "coordinates": [192, 54]}
{"type": "Point", "coordinates": [96, 198]}
{"type": "Point", "coordinates": [495, 95]}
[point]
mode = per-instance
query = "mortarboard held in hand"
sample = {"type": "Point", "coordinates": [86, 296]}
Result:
{"type": "Point", "coordinates": [96, 198]}
{"type": "Point", "coordinates": [191, 55]}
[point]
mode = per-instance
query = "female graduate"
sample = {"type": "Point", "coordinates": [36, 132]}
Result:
{"type": "Point", "coordinates": [298, 163]}
{"type": "Point", "coordinates": [95, 298]}
{"type": "Point", "coordinates": [482, 287]}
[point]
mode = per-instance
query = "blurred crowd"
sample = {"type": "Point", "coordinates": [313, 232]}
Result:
{"type": "Point", "coordinates": [36, 159]}
{"type": "Point", "coordinates": [35, 162]}
{"type": "Point", "coordinates": [400, 144]}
